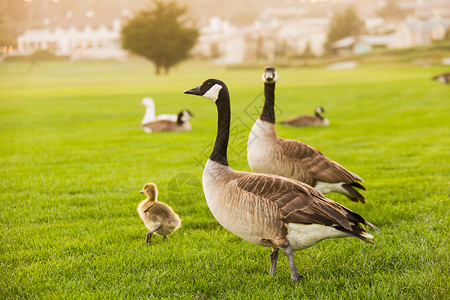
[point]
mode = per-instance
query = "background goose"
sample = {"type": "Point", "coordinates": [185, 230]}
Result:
{"type": "Point", "coordinates": [150, 114]}
{"type": "Point", "coordinates": [444, 78]}
{"type": "Point", "coordinates": [267, 153]}
{"type": "Point", "coordinates": [305, 121]}
{"type": "Point", "coordinates": [181, 124]}
{"type": "Point", "coordinates": [158, 217]}
{"type": "Point", "coordinates": [268, 210]}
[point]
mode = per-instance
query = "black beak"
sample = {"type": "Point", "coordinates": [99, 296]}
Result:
{"type": "Point", "coordinates": [142, 191]}
{"type": "Point", "coordinates": [269, 76]}
{"type": "Point", "coordinates": [194, 91]}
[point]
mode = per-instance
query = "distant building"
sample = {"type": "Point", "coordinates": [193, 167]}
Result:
{"type": "Point", "coordinates": [268, 38]}
{"type": "Point", "coordinates": [363, 43]}
{"type": "Point", "coordinates": [81, 38]}
{"type": "Point", "coordinates": [414, 32]}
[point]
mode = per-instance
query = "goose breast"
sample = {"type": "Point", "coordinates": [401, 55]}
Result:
{"type": "Point", "coordinates": [250, 217]}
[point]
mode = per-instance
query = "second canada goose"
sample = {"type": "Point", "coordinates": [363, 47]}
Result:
{"type": "Point", "coordinates": [158, 217]}
{"type": "Point", "coordinates": [268, 210]}
{"type": "Point", "coordinates": [306, 121]}
{"type": "Point", "coordinates": [181, 124]}
{"type": "Point", "coordinates": [150, 114]}
{"type": "Point", "coordinates": [268, 153]}
{"type": "Point", "coordinates": [444, 78]}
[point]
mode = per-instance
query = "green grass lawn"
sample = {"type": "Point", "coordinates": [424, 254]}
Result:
{"type": "Point", "coordinates": [73, 160]}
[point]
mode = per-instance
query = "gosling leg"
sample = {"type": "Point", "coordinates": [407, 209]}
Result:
{"type": "Point", "coordinates": [290, 256]}
{"type": "Point", "coordinates": [273, 260]}
{"type": "Point", "coordinates": [148, 238]}
{"type": "Point", "coordinates": [164, 238]}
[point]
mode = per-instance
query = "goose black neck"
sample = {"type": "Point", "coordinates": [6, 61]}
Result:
{"type": "Point", "coordinates": [319, 115]}
{"type": "Point", "coordinates": [219, 153]}
{"type": "Point", "coordinates": [268, 113]}
{"type": "Point", "coordinates": [179, 118]}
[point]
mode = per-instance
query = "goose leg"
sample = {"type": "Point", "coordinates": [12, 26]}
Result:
{"type": "Point", "coordinates": [164, 238]}
{"type": "Point", "coordinates": [148, 237]}
{"type": "Point", "coordinates": [273, 260]}
{"type": "Point", "coordinates": [290, 256]}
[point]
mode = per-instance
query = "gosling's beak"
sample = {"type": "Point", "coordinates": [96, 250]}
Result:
{"type": "Point", "coordinates": [142, 191]}
{"type": "Point", "coordinates": [194, 91]}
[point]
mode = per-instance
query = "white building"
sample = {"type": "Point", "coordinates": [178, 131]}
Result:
{"type": "Point", "coordinates": [82, 38]}
{"type": "Point", "coordinates": [414, 32]}
{"type": "Point", "coordinates": [267, 39]}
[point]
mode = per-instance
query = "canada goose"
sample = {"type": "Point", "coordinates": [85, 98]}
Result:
{"type": "Point", "coordinates": [150, 116]}
{"type": "Point", "coordinates": [305, 121]}
{"type": "Point", "coordinates": [158, 217]}
{"type": "Point", "coordinates": [181, 124]}
{"type": "Point", "coordinates": [268, 153]}
{"type": "Point", "coordinates": [268, 210]}
{"type": "Point", "coordinates": [444, 78]}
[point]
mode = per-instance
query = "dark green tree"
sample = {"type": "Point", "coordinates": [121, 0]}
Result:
{"type": "Point", "coordinates": [160, 35]}
{"type": "Point", "coordinates": [343, 24]}
{"type": "Point", "coordinates": [307, 53]}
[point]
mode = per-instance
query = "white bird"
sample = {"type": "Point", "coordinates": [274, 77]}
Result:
{"type": "Point", "coordinates": [180, 124]}
{"type": "Point", "coordinates": [150, 114]}
{"type": "Point", "coordinates": [268, 153]}
{"type": "Point", "coordinates": [268, 210]}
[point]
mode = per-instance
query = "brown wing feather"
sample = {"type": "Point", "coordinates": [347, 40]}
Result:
{"type": "Point", "coordinates": [319, 166]}
{"type": "Point", "coordinates": [160, 125]}
{"type": "Point", "coordinates": [298, 202]}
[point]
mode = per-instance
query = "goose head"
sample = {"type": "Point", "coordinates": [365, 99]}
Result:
{"type": "Point", "coordinates": [150, 190]}
{"type": "Point", "coordinates": [320, 110]}
{"type": "Point", "coordinates": [184, 116]}
{"type": "Point", "coordinates": [210, 89]}
{"type": "Point", "coordinates": [270, 75]}
{"type": "Point", "coordinates": [147, 101]}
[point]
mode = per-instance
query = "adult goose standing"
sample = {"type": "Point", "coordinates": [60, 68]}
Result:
{"type": "Point", "coordinates": [150, 114]}
{"type": "Point", "coordinates": [181, 124]}
{"type": "Point", "coordinates": [268, 210]}
{"type": "Point", "coordinates": [307, 121]}
{"type": "Point", "coordinates": [268, 153]}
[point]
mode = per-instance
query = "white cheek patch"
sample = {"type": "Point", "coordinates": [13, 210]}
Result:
{"type": "Point", "coordinates": [275, 78]}
{"type": "Point", "coordinates": [213, 92]}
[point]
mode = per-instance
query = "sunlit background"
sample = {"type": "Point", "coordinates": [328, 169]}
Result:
{"type": "Point", "coordinates": [231, 32]}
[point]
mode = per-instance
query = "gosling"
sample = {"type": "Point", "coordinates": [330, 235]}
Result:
{"type": "Point", "coordinates": [158, 217]}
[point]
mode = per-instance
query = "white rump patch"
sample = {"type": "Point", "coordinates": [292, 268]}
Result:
{"type": "Point", "coordinates": [302, 236]}
{"type": "Point", "coordinates": [326, 187]}
{"type": "Point", "coordinates": [213, 92]}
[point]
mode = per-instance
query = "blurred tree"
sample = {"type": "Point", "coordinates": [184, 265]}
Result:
{"type": "Point", "coordinates": [447, 34]}
{"type": "Point", "coordinates": [160, 35]}
{"type": "Point", "coordinates": [307, 53]}
{"type": "Point", "coordinates": [343, 24]}
{"type": "Point", "coordinates": [391, 10]}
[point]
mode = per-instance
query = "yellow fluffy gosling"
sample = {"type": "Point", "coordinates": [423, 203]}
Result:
{"type": "Point", "coordinates": [158, 217]}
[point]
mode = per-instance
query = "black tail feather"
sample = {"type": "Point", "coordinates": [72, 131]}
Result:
{"type": "Point", "coordinates": [358, 185]}
{"type": "Point", "coordinates": [353, 194]}
{"type": "Point", "coordinates": [355, 233]}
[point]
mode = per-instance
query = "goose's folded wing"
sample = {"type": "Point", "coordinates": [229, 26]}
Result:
{"type": "Point", "coordinates": [318, 165]}
{"type": "Point", "coordinates": [298, 202]}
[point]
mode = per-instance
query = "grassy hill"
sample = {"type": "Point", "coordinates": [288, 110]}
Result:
{"type": "Point", "coordinates": [73, 160]}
